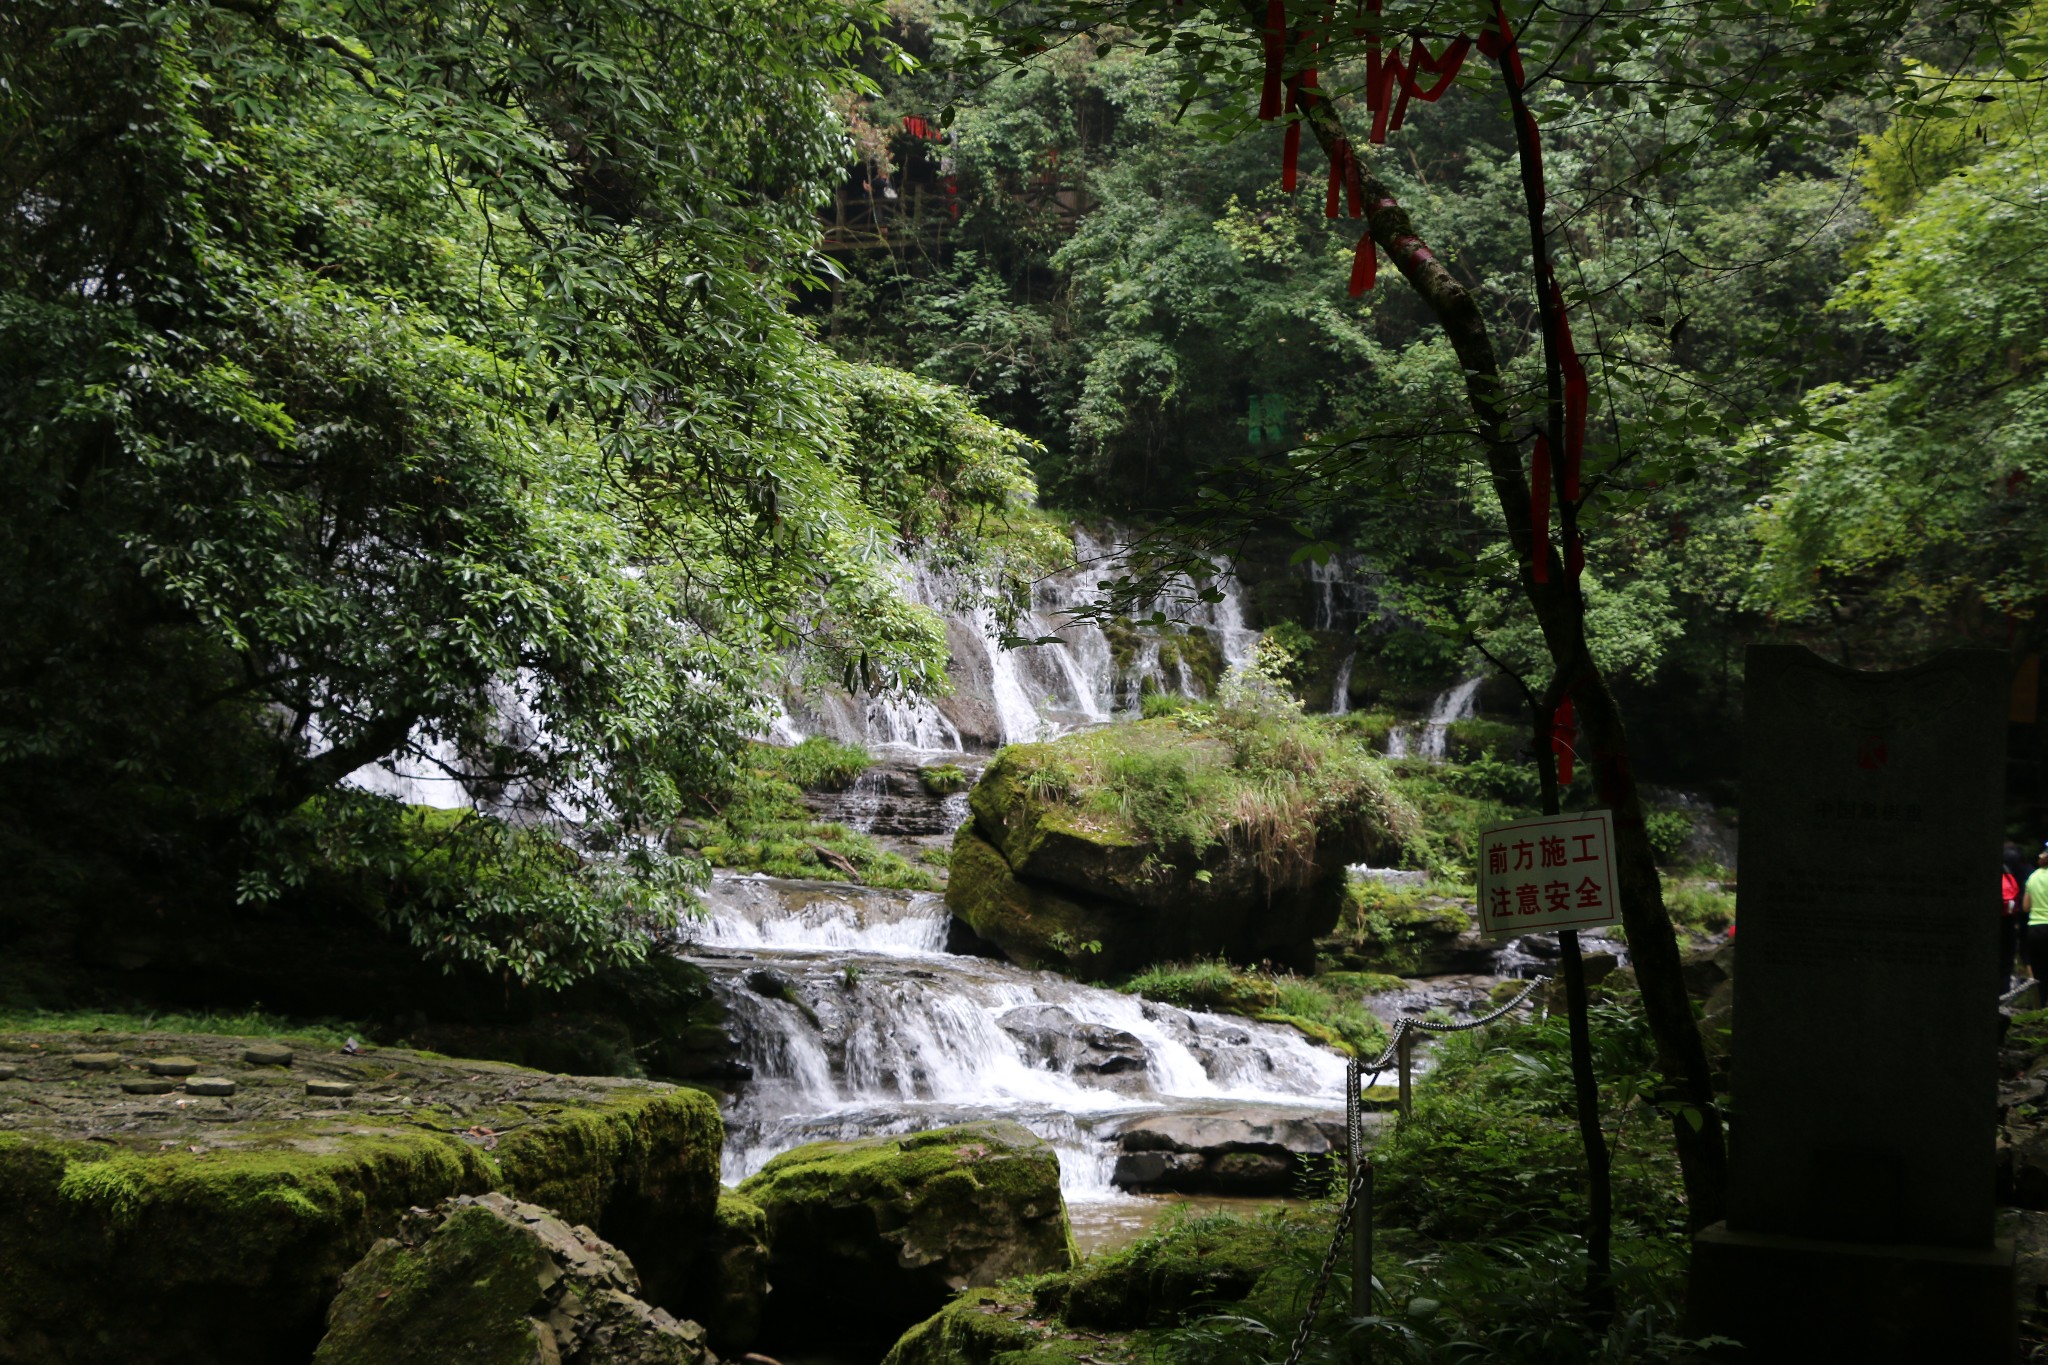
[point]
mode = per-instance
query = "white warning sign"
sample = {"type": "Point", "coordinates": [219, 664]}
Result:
{"type": "Point", "coordinates": [1548, 872]}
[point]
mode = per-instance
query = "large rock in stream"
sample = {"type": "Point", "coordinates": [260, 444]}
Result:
{"type": "Point", "coordinates": [1058, 869]}
{"type": "Point", "coordinates": [184, 1198]}
{"type": "Point", "coordinates": [489, 1280]}
{"type": "Point", "coordinates": [870, 1236]}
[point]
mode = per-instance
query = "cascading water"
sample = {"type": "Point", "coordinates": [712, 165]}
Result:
{"type": "Point", "coordinates": [1340, 690]}
{"type": "Point", "coordinates": [1426, 740]}
{"type": "Point", "coordinates": [856, 1022]}
{"type": "Point", "coordinates": [1007, 696]}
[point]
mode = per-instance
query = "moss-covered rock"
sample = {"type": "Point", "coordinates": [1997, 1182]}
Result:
{"type": "Point", "coordinates": [997, 1326]}
{"type": "Point", "coordinates": [736, 1270]}
{"type": "Point", "coordinates": [1403, 931]}
{"type": "Point", "coordinates": [494, 1281]}
{"type": "Point", "coordinates": [1167, 839]}
{"type": "Point", "coordinates": [1157, 1282]}
{"type": "Point", "coordinates": [186, 1228]}
{"type": "Point", "coordinates": [873, 1235]}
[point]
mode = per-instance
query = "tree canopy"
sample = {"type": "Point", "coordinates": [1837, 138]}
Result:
{"type": "Point", "coordinates": [416, 385]}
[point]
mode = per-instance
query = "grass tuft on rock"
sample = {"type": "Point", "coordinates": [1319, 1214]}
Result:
{"type": "Point", "coordinates": [1332, 1013]}
{"type": "Point", "coordinates": [1263, 779]}
{"type": "Point", "coordinates": [761, 824]}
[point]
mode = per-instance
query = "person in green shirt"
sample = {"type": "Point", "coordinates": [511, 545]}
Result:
{"type": "Point", "coordinates": [2034, 906]}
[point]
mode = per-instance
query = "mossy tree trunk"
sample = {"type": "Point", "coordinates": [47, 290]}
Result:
{"type": "Point", "coordinates": [1560, 612]}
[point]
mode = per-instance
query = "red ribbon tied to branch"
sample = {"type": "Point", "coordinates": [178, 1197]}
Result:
{"type": "Point", "coordinates": [1563, 728]}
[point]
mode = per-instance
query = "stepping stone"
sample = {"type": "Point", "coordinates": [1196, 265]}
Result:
{"type": "Point", "coordinates": [172, 1066]}
{"type": "Point", "coordinates": [209, 1085]}
{"type": "Point", "coordinates": [267, 1054]}
{"type": "Point", "coordinates": [330, 1090]}
{"type": "Point", "coordinates": [96, 1061]}
{"type": "Point", "coordinates": [159, 1086]}
{"type": "Point", "coordinates": [8, 1073]}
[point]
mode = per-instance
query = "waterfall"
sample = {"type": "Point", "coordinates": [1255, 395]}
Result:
{"type": "Point", "coordinates": [1426, 740]}
{"type": "Point", "coordinates": [856, 1022]}
{"type": "Point", "coordinates": [1340, 691]}
{"type": "Point", "coordinates": [1008, 696]}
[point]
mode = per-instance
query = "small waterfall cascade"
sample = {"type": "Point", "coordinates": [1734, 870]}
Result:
{"type": "Point", "coordinates": [1007, 696]}
{"type": "Point", "coordinates": [1340, 690]}
{"type": "Point", "coordinates": [1426, 739]}
{"type": "Point", "coordinates": [1341, 593]}
{"type": "Point", "coordinates": [857, 1022]}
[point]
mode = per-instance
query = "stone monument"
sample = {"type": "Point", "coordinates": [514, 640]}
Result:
{"type": "Point", "coordinates": [1863, 1126]}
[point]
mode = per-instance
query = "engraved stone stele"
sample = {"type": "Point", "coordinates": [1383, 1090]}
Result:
{"type": "Point", "coordinates": [1860, 1221]}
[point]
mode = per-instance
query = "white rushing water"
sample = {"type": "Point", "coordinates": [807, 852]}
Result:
{"type": "Point", "coordinates": [1010, 696]}
{"type": "Point", "coordinates": [1426, 739]}
{"type": "Point", "coordinates": [856, 1022]}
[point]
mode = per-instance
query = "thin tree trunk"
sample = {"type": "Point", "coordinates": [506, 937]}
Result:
{"type": "Point", "coordinates": [1560, 614]}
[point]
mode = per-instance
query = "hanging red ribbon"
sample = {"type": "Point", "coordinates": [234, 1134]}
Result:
{"type": "Point", "coordinates": [1276, 55]}
{"type": "Point", "coordinates": [1365, 265]}
{"type": "Point", "coordinates": [1563, 729]}
{"type": "Point", "coordinates": [1539, 509]}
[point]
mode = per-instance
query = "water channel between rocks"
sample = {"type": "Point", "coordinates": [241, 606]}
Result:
{"type": "Point", "coordinates": [856, 1021]}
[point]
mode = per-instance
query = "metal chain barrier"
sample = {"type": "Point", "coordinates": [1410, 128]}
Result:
{"type": "Point", "coordinates": [1354, 1131]}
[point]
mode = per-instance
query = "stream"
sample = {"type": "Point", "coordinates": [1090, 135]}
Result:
{"type": "Point", "coordinates": [857, 1022]}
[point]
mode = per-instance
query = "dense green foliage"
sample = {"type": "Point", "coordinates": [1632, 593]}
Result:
{"type": "Point", "coordinates": [415, 386]}
{"type": "Point", "coordinates": [1797, 245]}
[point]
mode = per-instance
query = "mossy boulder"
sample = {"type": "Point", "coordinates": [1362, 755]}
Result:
{"type": "Point", "coordinates": [871, 1236]}
{"type": "Point", "coordinates": [493, 1281]}
{"type": "Point", "coordinates": [1167, 839]}
{"type": "Point", "coordinates": [1404, 931]}
{"type": "Point", "coordinates": [995, 1326]}
{"type": "Point", "coordinates": [181, 1227]}
{"type": "Point", "coordinates": [735, 1261]}
{"type": "Point", "coordinates": [1161, 1280]}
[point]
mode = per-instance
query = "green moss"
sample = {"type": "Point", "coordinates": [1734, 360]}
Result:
{"type": "Point", "coordinates": [413, 1318]}
{"type": "Point", "coordinates": [1188, 1266]}
{"type": "Point", "coordinates": [1394, 930]}
{"type": "Point", "coordinates": [635, 1149]}
{"type": "Point", "coordinates": [1035, 926]}
{"type": "Point", "coordinates": [943, 779]}
{"type": "Point", "coordinates": [760, 823]}
{"type": "Point", "coordinates": [232, 1024]}
{"type": "Point", "coordinates": [992, 1326]}
{"type": "Point", "coordinates": [226, 1245]}
{"type": "Point", "coordinates": [1258, 780]}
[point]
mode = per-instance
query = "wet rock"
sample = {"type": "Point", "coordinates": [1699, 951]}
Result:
{"type": "Point", "coordinates": [330, 1090]}
{"type": "Point", "coordinates": [267, 1054]}
{"type": "Point", "coordinates": [96, 1061]}
{"type": "Point", "coordinates": [873, 1235]}
{"type": "Point", "coordinates": [1055, 1039]}
{"type": "Point", "coordinates": [209, 1085]}
{"type": "Point", "coordinates": [494, 1281]}
{"type": "Point", "coordinates": [1246, 1151]}
{"type": "Point", "coordinates": [172, 1066]}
